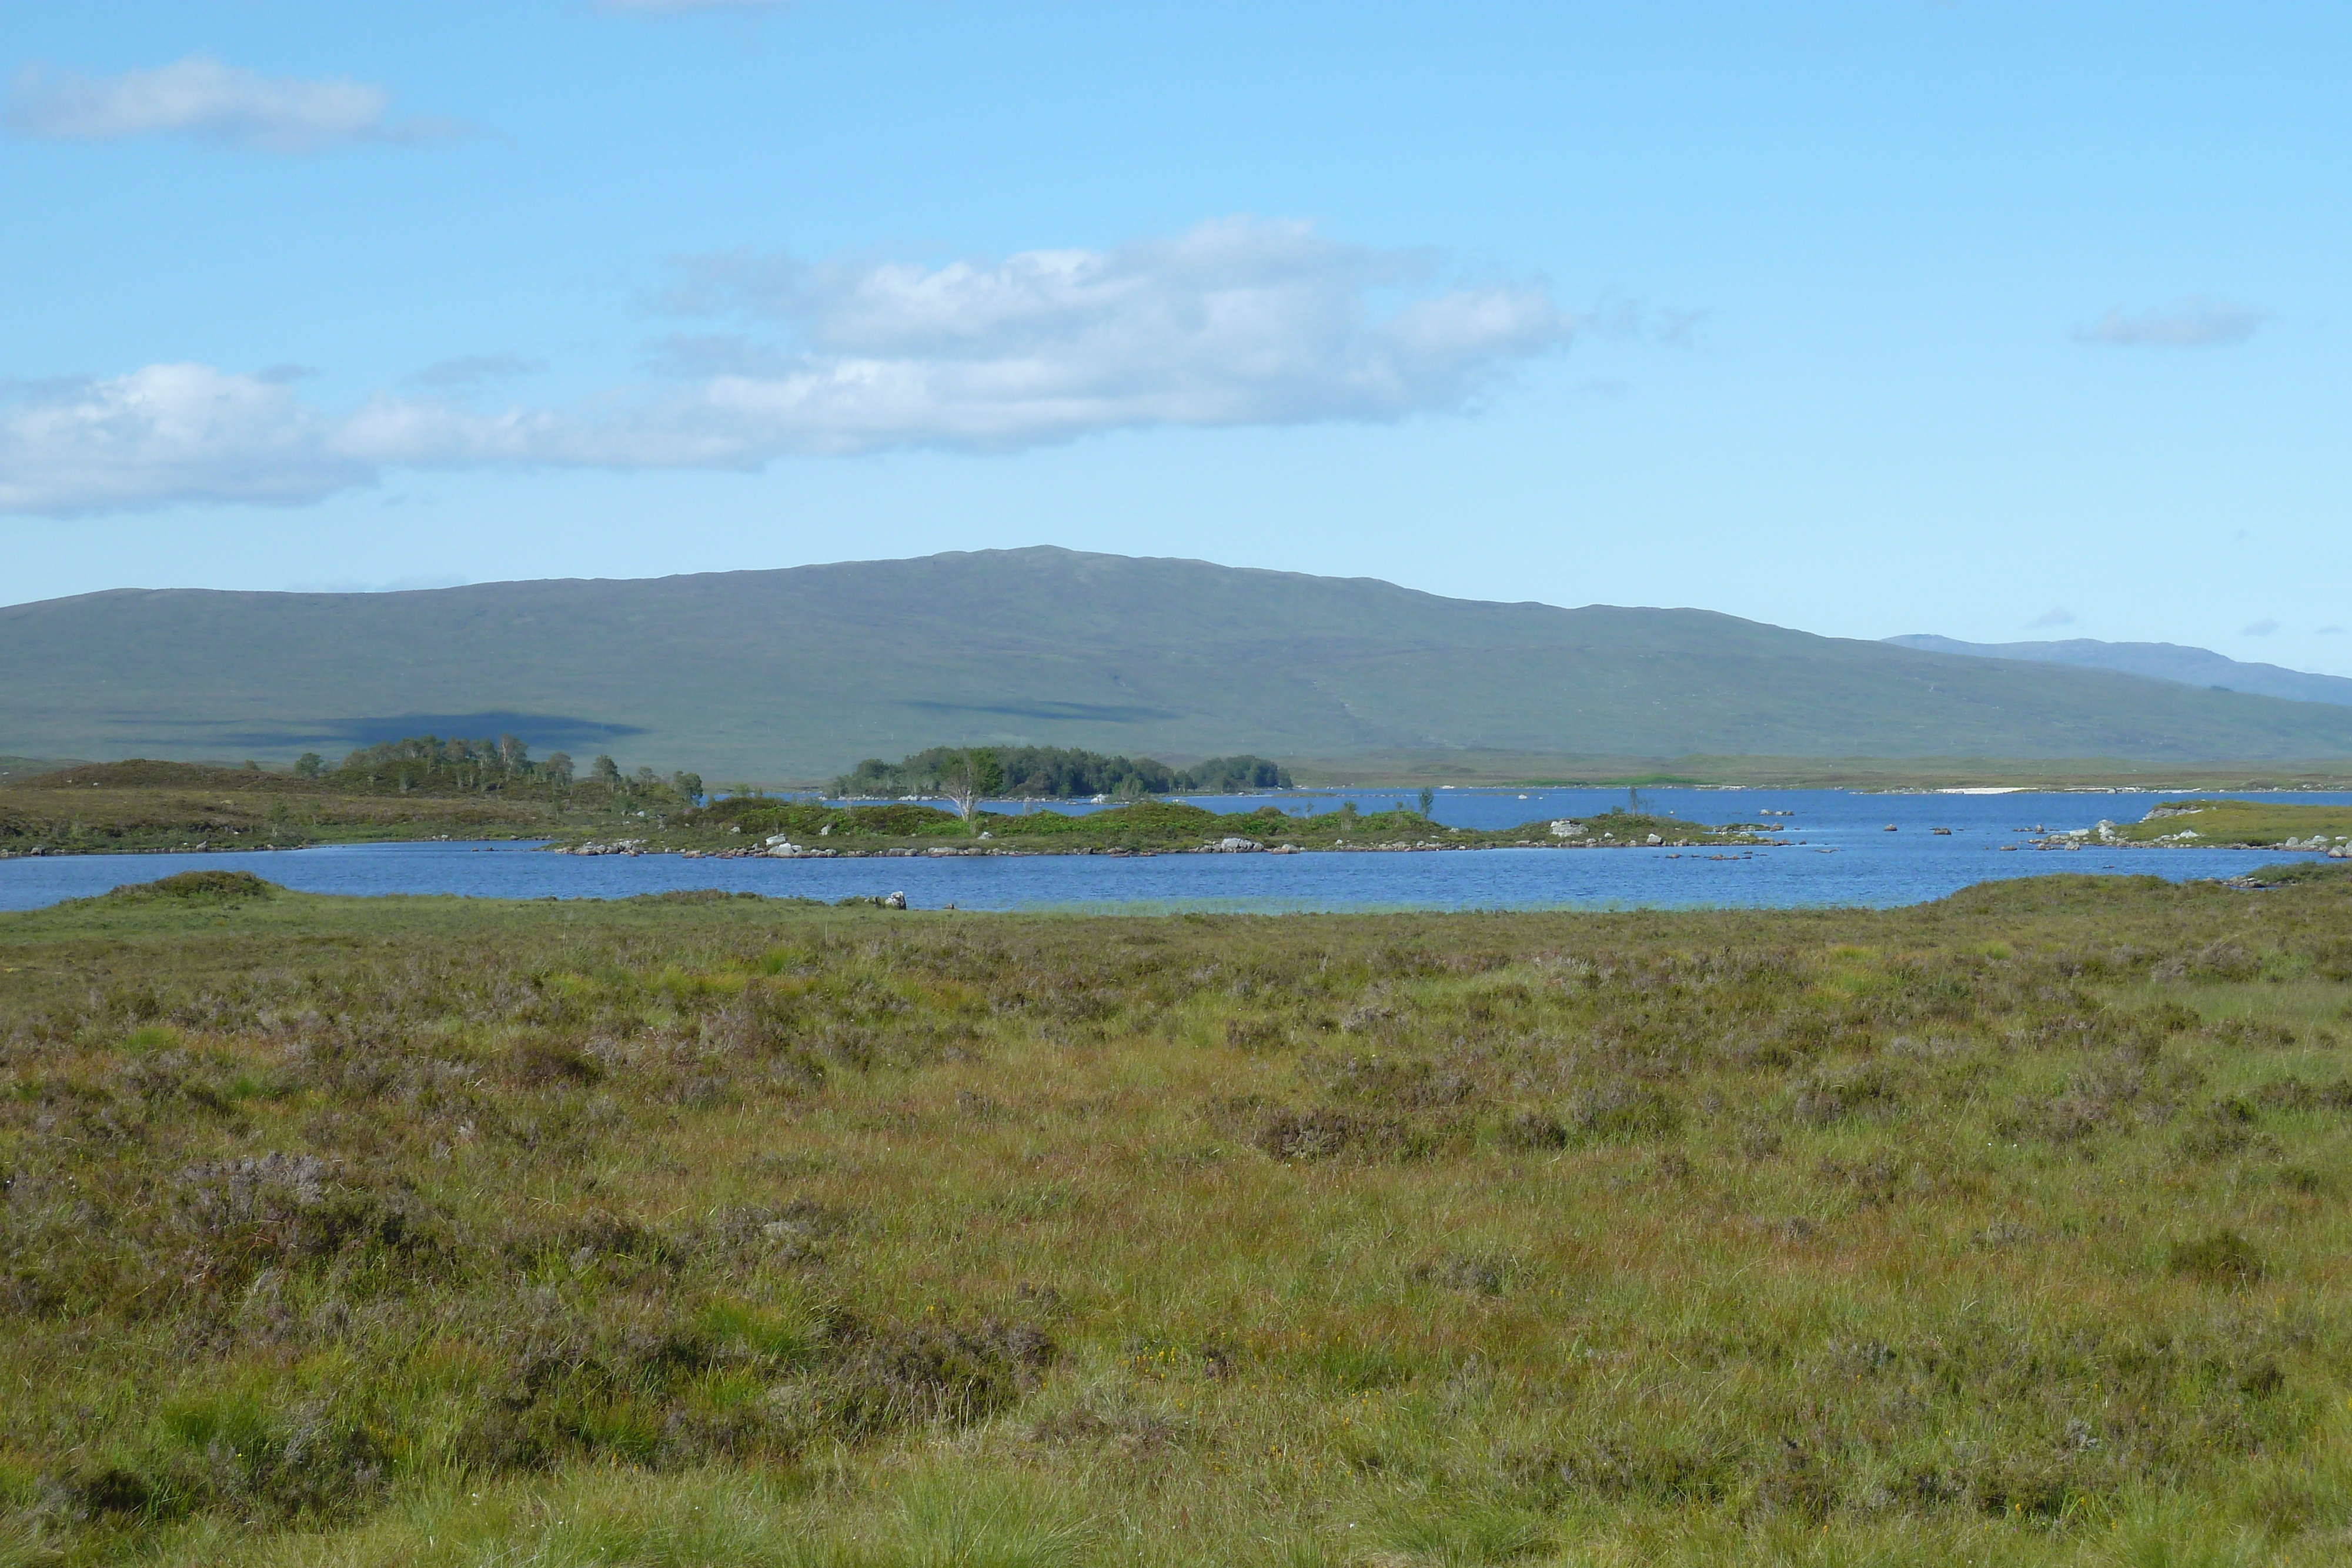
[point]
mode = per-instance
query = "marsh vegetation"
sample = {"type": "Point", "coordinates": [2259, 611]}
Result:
{"type": "Point", "coordinates": [701, 1228]}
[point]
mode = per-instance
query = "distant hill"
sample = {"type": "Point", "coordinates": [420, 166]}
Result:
{"type": "Point", "coordinates": [801, 673]}
{"type": "Point", "coordinates": [20, 767]}
{"type": "Point", "coordinates": [2157, 661]}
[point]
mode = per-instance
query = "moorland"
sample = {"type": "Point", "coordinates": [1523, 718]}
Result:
{"type": "Point", "coordinates": [697, 1228]}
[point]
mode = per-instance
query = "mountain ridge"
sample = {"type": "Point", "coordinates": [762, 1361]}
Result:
{"type": "Point", "coordinates": [2174, 662]}
{"type": "Point", "coordinates": [800, 672]}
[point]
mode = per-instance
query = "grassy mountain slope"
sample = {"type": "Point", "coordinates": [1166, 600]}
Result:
{"type": "Point", "coordinates": [2159, 661]}
{"type": "Point", "coordinates": [801, 672]}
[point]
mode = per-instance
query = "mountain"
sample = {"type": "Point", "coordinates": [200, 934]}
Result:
{"type": "Point", "coordinates": [800, 672]}
{"type": "Point", "coordinates": [2157, 661]}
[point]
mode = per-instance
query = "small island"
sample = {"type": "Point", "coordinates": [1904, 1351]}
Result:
{"type": "Point", "coordinates": [2215, 824]}
{"type": "Point", "coordinates": [758, 826]}
{"type": "Point", "coordinates": [957, 800]}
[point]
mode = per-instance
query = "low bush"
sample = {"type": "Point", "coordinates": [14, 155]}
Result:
{"type": "Point", "coordinates": [213, 886]}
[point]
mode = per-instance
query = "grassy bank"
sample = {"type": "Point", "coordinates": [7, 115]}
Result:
{"type": "Point", "coordinates": [2252, 824]}
{"type": "Point", "coordinates": [707, 1229]}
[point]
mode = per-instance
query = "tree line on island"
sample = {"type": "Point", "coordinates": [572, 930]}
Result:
{"type": "Point", "coordinates": [431, 764]}
{"type": "Point", "coordinates": [504, 766]}
{"type": "Point", "coordinates": [428, 763]}
{"type": "Point", "coordinates": [968, 774]}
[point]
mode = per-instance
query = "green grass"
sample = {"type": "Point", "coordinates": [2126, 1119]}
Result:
{"type": "Point", "coordinates": [2008, 1229]}
{"type": "Point", "coordinates": [2259, 824]}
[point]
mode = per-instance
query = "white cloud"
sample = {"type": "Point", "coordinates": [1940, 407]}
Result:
{"type": "Point", "coordinates": [2262, 628]}
{"type": "Point", "coordinates": [2056, 615]}
{"type": "Point", "coordinates": [201, 97]}
{"type": "Point", "coordinates": [167, 432]}
{"type": "Point", "coordinates": [1237, 323]}
{"type": "Point", "coordinates": [2196, 322]}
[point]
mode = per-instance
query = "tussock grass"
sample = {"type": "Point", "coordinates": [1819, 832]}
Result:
{"type": "Point", "coordinates": [2008, 1230]}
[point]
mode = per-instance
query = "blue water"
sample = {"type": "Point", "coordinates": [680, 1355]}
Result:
{"type": "Point", "coordinates": [1838, 853]}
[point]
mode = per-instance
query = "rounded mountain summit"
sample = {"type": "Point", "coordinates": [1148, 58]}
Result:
{"type": "Point", "coordinates": [800, 672]}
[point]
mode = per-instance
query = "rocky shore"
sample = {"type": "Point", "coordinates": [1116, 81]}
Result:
{"type": "Point", "coordinates": [2104, 835]}
{"type": "Point", "coordinates": [783, 847]}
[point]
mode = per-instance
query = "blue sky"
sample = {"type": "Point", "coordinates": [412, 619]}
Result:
{"type": "Point", "coordinates": [1998, 321]}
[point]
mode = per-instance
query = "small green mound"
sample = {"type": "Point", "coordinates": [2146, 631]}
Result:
{"type": "Point", "coordinates": [146, 773]}
{"type": "Point", "coordinates": [2292, 872]}
{"type": "Point", "coordinates": [207, 885]}
{"type": "Point", "coordinates": [2062, 892]}
{"type": "Point", "coordinates": [2224, 1258]}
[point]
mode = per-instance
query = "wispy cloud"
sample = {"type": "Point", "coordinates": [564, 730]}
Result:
{"type": "Point", "coordinates": [697, 4]}
{"type": "Point", "coordinates": [201, 97]}
{"type": "Point", "coordinates": [1237, 323]}
{"type": "Point", "coordinates": [2056, 615]}
{"type": "Point", "coordinates": [1638, 320]}
{"type": "Point", "coordinates": [2196, 322]}
{"type": "Point", "coordinates": [693, 355]}
{"type": "Point", "coordinates": [471, 371]}
{"type": "Point", "coordinates": [2262, 628]}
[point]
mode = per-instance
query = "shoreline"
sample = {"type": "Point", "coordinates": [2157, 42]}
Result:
{"type": "Point", "coordinates": [947, 853]}
{"type": "Point", "coordinates": [2055, 844]}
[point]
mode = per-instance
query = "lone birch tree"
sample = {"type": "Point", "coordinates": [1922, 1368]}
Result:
{"type": "Point", "coordinates": [968, 778]}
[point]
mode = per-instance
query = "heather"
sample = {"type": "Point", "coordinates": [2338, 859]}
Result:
{"type": "Point", "coordinates": [700, 1228]}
